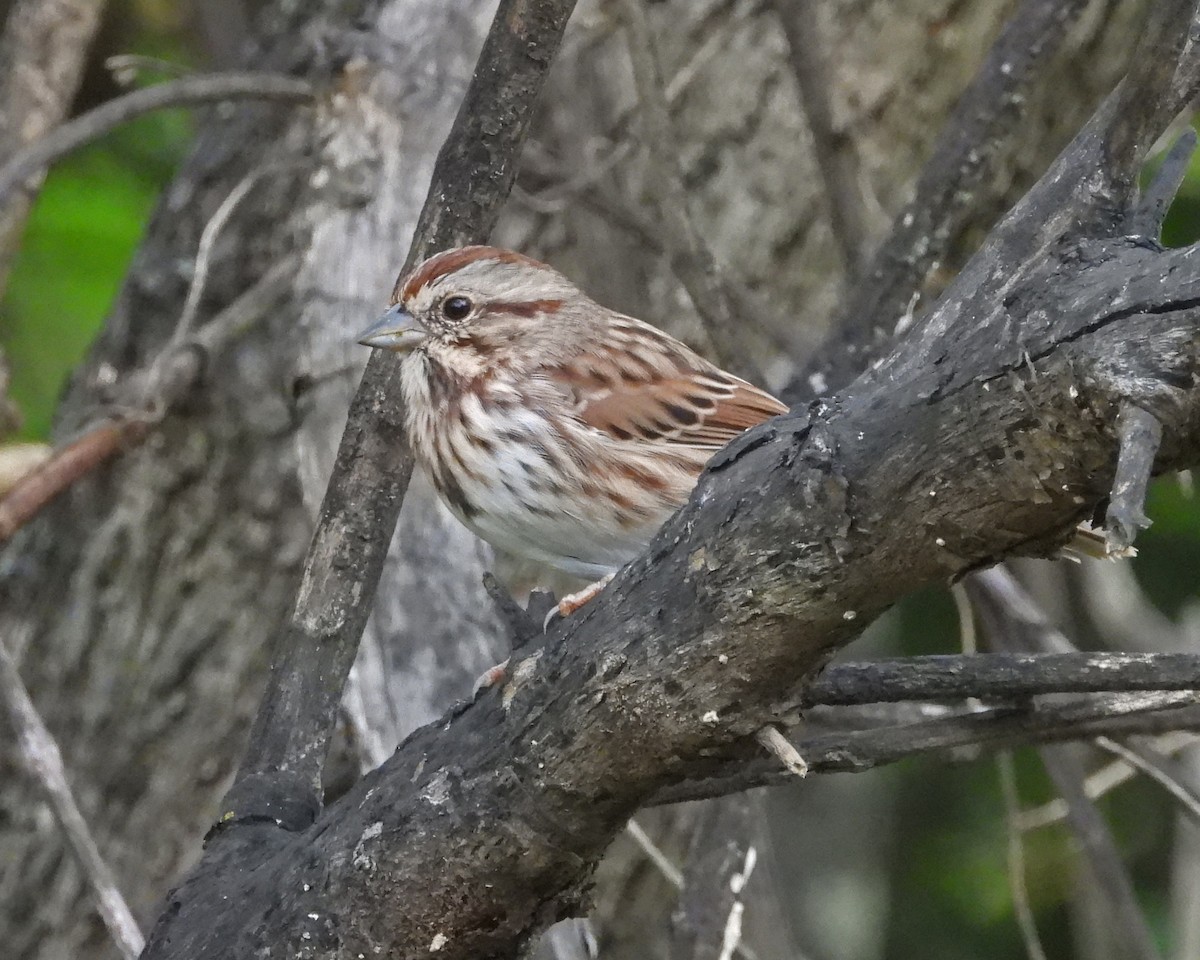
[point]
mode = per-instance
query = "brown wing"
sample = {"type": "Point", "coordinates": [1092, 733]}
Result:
{"type": "Point", "coordinates": [637, 383]}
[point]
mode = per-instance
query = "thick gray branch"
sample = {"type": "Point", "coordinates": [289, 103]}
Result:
{"type": "Point", "coordinates": [988, 432]}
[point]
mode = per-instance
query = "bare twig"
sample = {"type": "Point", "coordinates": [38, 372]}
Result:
{"type": "Point", "coordinates": [856, 751]}
{"type": "Point", "coordinates": [707, 922]}
{"type": "Point", "coordinates": [1157, 768]}
{"type": "Point", "coordinates": [1012, 622]}
{"type": "Point", "coordinates": [170, 376]}
{"type": "Point", "coordinates": [127, 67]}
{"type": "Point", "coordinates": [983, 124]}
{"type": "Point", "coordinates": [40, 486]}
{"type": "Point", "coordinates": [1102, 856]}
{"type": "Point", "coordinates": [1001, 676]}
{"type": "Point", "coordinates": [1152, 206]}
{"type": "Point", "coordinates": [1101, 781]}
{"type": "Point", "coordinates": [836, 157]}
{"type": "Point", "coordinates": [690, 258]}
{"type": "Point", "coordinates": [191, 91]}
{"type": "Point", "coordinates": [40, 754]}
{"type": "Point", "coordinates": [318, 643]}
{"type": "Point", "coordinates": [208, 238]}
{"type": "Point", "coordinates": [671, 873]}
{"type": "Point", "coordinates": [772, 738]}
{"type": "Point", "coordinates": [1016, 857]}
{"type": "Point", "coordinates": [1141, 435]}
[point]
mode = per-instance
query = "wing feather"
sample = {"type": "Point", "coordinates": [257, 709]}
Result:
{"type": "Point", "coordinates": [636, 383]}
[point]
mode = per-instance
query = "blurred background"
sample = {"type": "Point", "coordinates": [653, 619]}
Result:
{"type": "Point", "coordinates": [906, 862]}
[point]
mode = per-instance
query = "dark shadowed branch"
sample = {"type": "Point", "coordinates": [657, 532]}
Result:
{"type": "Point", "coordinates": [1001, 676]}
{"type": "Point", "coordinates": [841, 743]}
{"type": "Point", "coordinates": [800, 533]}
{"type": "Point", "coordinates": [316, 648]}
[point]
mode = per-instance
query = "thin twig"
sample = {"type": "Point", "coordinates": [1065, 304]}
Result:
{"type": "Point", "coordinates": [1101, 781]}
{"type": "Point", "coordinates": [1016, 857]}
{"type": "Point", "coordinates": [42, 485]}
{"type": "Point", "coordinates": [707, 921]}
{"type": "Point", "coordinates": [152, 394]}
{"type": "Point", "coordinates": [1101, 854]}
{"type": "Point", "coordinates": [127, 67]}
{"type": "Point", "coordinates": [208, 238]}
{"type": "Point", "coordinates": [957, 735]}
{"type": "Point", "coordinates": [1012, 622]}
{"type": "Point", "coordinates": [773, 740]}
{"type": "Point", "coordinates": [671, 873]}
{"type": "Point", "coordinates": [836, 157]}
{"type": "Point", "coordinates": [190, 91]}
{"type": "Point", "coordinates": [690, 258]}
{"type": "Point", "coordinates": [40, 754]}
{"type": "Point", "coordinates": [1156, 768]}
{"type": "Point", "coordinates": [318, 642]}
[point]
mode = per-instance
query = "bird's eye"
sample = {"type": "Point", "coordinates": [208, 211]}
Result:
{"type": "Point", "coordinates": [456, 308]}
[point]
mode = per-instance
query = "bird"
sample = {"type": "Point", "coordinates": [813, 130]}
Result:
{"type": "Point", "coordinates": [551, 426]}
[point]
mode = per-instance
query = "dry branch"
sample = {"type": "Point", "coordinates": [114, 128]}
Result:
{"type": "Point", "coordinates": [42, 758]}
{"type": "Point", "coordinates": [190, 91]}
{"type": "Point", "coordinates": [799, 534]}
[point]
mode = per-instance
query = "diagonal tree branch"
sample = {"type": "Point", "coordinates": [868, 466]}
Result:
{"type": "Point", "coordinates": [41, 756]}
{"type": "Point", "coordinates": [988, 432]}
{"type": "Point", "coordinates": [316, 648]}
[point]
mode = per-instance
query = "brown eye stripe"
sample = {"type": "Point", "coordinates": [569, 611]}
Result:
{"type": "Point", "coordinates": [521, 308]}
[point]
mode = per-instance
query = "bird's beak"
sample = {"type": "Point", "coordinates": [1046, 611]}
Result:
{"type": "Point", "coordinates": [395, 330]}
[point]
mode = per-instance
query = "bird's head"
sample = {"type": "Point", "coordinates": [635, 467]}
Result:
{"type": "Point", "coordinates": [485, 296]}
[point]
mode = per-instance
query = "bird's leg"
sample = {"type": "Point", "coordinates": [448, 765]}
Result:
{"type": "Point", "coordinates": [491, 677]}
{"type": "Point", "coordinates": [574, 601]}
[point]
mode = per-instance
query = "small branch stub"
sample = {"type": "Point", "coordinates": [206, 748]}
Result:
{"type": "Point", "coordinates": [781, 747]}
{"type": "Point", "coordinates": [1140, 434]}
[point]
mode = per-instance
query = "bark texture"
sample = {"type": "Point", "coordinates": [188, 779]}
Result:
{"type": "Point", "coordinates": [138, 629]}
{"type": "Point", "coordinates": [136, 602]}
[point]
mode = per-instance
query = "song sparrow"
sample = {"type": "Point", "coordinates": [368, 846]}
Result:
{"type": "Point", "coordinates": [553, 427]}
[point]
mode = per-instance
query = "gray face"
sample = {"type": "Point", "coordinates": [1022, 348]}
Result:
{"type": "Point", "coordinates": [466, 293]}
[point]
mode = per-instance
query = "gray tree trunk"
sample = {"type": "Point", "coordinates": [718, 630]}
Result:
{"type": "Point", "coordinates": [130, 602]}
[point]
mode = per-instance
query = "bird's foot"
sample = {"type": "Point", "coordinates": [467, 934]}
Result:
{"type": "Point", "coordinates": [491, 677]}
{"type": "Point", "coordinates": [574, 601]}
